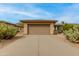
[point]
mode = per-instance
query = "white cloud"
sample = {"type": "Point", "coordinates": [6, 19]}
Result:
{"type": "Point", "coordinates": [39, 11]}
{"type": "Point", "coordinates": [31, 11]}
{"type": "Point", "coordinates": [11, 11]}
{"type": "Point", "coordinates": [70, 14]}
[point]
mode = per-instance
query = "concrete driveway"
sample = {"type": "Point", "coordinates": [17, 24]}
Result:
{"type": "Point", "coordinates": [39, 45]}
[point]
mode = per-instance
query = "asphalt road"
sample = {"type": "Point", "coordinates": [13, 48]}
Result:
{"type": "Point", "coordinates": [39, 45]}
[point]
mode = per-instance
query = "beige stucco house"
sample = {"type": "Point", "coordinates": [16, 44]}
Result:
{"type": "Point", "coordinates": [9, 24]}
{"type": "Point", "coordinates": [38, 27]}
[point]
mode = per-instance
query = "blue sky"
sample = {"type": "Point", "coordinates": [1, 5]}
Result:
{"type": "Point", "coordinates": [13, 12]}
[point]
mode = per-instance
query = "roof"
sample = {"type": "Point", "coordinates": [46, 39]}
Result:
{"type": "Point", "coordinates": [38, 21]}
{"type": "Point", "coordinates": [58, 23]}
{"type": "Point", "coordinates": [9, 23]}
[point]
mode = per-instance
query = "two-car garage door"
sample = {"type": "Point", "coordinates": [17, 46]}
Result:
{"type": "Point", "coordinates": [39, 29]}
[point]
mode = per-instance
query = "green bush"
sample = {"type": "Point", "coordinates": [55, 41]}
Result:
{"type": "Point", "coordinates": [7, 31]}
{"type": "Point", "coordinates": [72, 32]}
{"type": "Point", "coordinates": [67, 26]}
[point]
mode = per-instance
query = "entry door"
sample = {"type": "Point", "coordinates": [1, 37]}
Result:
{"type": "Point", "coordinates": [39, 29]}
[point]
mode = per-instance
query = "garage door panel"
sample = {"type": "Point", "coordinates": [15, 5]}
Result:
{"type": "Point", "coordinates": [39, 29]}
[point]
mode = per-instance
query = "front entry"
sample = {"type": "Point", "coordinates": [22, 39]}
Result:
{"type": "Point", "coordinates": [39, 29]}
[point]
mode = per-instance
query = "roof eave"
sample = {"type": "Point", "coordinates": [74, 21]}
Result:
{"type": "Point", "coordinates": [49, 21]}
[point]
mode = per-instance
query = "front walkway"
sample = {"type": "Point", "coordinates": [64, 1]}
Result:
{"type": "Point", "coordinates": [40, 45]}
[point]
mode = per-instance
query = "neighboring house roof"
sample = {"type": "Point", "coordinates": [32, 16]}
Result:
{"type": "Point", "coordinates": [39, 21]}
{"type": "Point", "coordinates": [9, 23]}
{"type": "Point", "coordinates": [58, 24]}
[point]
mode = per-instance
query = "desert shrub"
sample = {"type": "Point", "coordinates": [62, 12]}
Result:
{"type": "Point", "coordinates": [72, 32]}
{"type": "Point", "coordinates": [7, 31]}
{"type": "Point", "coordinates": [67, 26]}
{"type": "Point", "coordinates": [11, 32]}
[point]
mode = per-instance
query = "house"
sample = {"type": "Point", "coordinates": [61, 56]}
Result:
{"type": "Point", "coordinates": [38, 27]}
{"type": "Point", "coordinates": [4, 23]}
